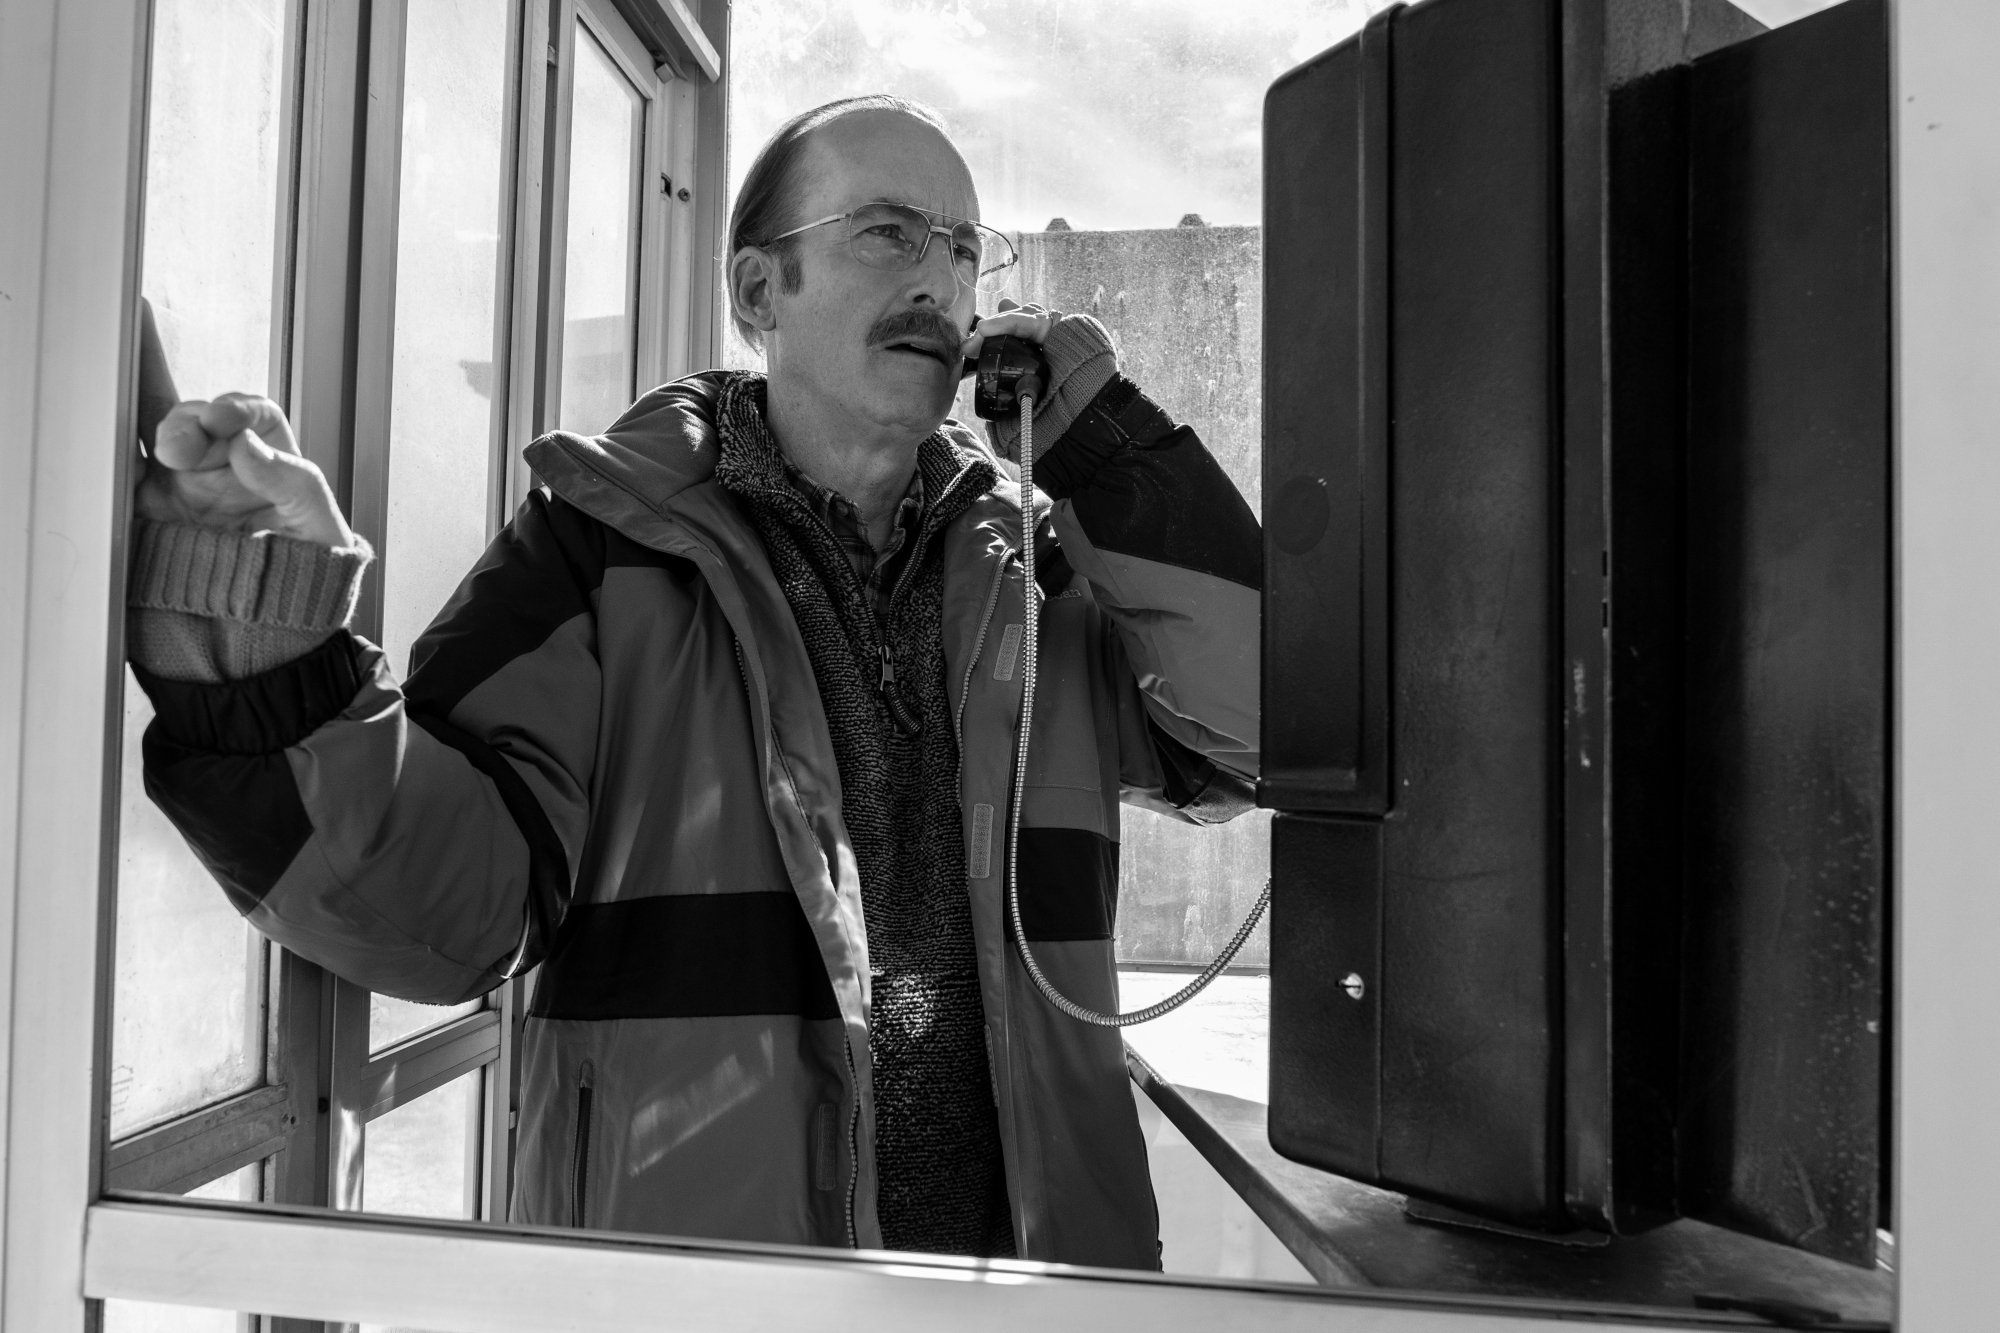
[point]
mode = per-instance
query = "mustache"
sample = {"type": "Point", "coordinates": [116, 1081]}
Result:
{"type": "Point", "coordinates": [916, 323]}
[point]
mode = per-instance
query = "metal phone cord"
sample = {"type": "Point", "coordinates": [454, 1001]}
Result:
{"type": "Point", "coordinates": [1030, 635]}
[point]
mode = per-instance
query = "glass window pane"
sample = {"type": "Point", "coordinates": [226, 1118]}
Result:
{"type": "Point", "coordinates": [601, 260]}
{"type": "Point", "coordinates": [210, 262]}
{"type": "Point", "coordinates": [244, 1185]}
{"type": "Point", "coordinates": [419, 1159]}
{"type": "Point", "coordinates": [448, 286]}
{"type": "Point", "coordinates": [391, 1020]}
{"type": "Point", "coordinates": [187, 998]}
{"type": "Point", "coordinates": [187, 1015]}
{"type": "Point", "coordinates": [1185, 888]}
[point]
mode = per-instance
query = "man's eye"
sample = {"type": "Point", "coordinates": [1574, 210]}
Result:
{"type": "Point", "coordinates": [966, 254]}
{"type": "Point", "coordinates": [887, 231]}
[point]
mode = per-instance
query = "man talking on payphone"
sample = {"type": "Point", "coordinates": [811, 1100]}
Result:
{"type": "Point", "coordinates": [721, 733]}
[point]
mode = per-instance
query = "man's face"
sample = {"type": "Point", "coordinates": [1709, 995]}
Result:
{"type": "Point", "coordinates": [843, 338]}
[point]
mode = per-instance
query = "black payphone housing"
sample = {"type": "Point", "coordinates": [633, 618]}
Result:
{"type": "Point", "coordinates": [1576, 629]}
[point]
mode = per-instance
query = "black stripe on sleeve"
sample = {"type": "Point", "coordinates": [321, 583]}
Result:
{"type": "Point", "coordinates": [548, 864]}
{"type": "Point", "coordinates": [241, 814]}
{"type": "Point", "coordinates": [536, 576]}
{"type": "Point", "coordinates": [257, 714]}
{"type": "Point", "coordinates": [1144, 487]}
{"type": "Point", "coordinates": [1069, 884]}
{"type": "Point", "coordinates": [216, 767]}
{"type": "Point", "coordinates": [702, 955]}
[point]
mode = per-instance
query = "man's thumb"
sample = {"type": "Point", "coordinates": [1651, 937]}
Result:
{"type": "Point", "coordinates": [292, 486]}
{"type": "Point", "coordinates": [266, 473]}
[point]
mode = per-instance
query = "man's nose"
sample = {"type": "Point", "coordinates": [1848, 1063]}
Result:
{"type": "Point", "coordinates": [934, 281]}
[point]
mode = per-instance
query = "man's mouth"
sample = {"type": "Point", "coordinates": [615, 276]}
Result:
{"type": "Point", "coordinates": [922, 348]}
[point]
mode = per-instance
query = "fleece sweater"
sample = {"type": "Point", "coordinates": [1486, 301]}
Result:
{"type": "Point", "coordinates": [941, 1176]}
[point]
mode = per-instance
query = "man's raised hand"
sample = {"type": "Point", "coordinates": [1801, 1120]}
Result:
{"type": "Point", "coordinates": [232, 463]}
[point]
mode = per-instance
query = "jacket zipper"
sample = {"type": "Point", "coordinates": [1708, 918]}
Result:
{"type": "Point", "coordinates": [846, 1048]}
{"type": "Point", "coordinates": [893, 697]}
{"type": "Point", "coordinates": [579, 1163]}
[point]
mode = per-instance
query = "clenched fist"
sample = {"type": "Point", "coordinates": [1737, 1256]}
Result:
{"type": "Point", "coordinates": [232, 463]}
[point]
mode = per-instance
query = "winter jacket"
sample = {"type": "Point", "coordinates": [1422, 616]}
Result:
{"type": "Point", "coordinates": [609, 759]}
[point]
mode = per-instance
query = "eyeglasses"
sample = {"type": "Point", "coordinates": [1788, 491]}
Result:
{"type": "Point", "coordinates": [898, 236]}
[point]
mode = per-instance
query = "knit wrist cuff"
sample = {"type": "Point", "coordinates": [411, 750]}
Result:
{"type": "Point", "coordinates": [260, 578]}
{"type": "Point", "coordinates": [1081, 358]}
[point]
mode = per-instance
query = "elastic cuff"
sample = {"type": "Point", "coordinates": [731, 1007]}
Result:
{"type": "Point", "coordinates": [262, 713]}
{"type": "Point", "coordinates": [262, 578]}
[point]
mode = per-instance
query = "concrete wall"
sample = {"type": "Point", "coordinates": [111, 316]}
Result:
{"type": "Point", "coordinates": [1185, 308]}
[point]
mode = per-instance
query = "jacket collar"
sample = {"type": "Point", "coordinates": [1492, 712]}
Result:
{"type": "Point", "coordinates": [664, 444]}
{"type": "Point", "coordinates": [667, 444]}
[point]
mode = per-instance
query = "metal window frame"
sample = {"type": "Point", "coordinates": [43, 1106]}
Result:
{"type": "Point", "coordinates": [254, 1123]}
{"type": "Point", "coordinates": [70, 75]}
{"type": "Point", "coordinates": [653, 77]}
{"type": "Point", "coordinates": [334, 276]}
{"type": "Point", "coordinates": [189, 1152]}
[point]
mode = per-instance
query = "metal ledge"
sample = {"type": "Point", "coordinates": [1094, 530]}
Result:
{"type": "Point", "coordinates": [1353, 1235]}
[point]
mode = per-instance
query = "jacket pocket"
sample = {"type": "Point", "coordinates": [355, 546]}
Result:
{"type": "Point", "coordinates": [825, 1147]}
{"type": "Point", "coordinates": [579, 1157]}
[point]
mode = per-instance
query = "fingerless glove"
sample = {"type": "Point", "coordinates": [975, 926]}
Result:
{"type": "Point", "coordinates": [206, 604]}
{"type": "Point", "coordinates": [1081, 362]}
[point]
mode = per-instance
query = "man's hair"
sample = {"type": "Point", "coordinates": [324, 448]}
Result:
{"type": "Point", "coordinates": [769, 200]}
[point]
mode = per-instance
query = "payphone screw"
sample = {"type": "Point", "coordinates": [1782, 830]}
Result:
{"type": "Point", "coordinates": [1353, 985]}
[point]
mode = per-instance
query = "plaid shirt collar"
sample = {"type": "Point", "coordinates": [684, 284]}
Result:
{"type": "Point", "coordinates": [844, 521]}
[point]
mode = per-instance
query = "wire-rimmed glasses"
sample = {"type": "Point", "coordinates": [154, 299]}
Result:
{"type": "Point", "coordinates": [898, 236]}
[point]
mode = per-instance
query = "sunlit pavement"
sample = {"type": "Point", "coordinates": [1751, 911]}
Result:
{"type": "Point", "coordinates": [1218, 1040]}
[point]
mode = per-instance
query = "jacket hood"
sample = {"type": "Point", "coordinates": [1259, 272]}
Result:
{"type": "Point", "coordinates": [663, 444]}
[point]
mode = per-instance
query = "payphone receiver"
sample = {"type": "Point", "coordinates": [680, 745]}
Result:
{"type": "Point", "coordinates": [1008, 370]}
{"type": "Point", "coordinates": [1011, 374]}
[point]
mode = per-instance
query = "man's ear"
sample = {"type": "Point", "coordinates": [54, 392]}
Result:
{"type": "Point", "coordinates": [753, 275]}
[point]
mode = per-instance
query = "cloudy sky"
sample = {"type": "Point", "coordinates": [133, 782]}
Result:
{"type": "Point", "coordinates": [1110, 113]}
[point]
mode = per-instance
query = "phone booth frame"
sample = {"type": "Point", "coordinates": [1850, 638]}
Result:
{"type": "Point", "coordinates": [72, 77]}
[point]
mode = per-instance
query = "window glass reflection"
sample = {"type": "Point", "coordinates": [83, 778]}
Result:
{"type": "Point", "coordinates": [391, 1020]}
{"type": "Point", "coordinates": [210, 260]}
{"type": "Point", "coordinates": [448, 284]}
{"type": "Point", "coordinates": [187, 1001]}
{"type": "Point", "coordinates": [244, 1185]}
{"type": "Point", "coordinates": [601, 259]}
{"type": "Point", "coordinates": [421, 1158]}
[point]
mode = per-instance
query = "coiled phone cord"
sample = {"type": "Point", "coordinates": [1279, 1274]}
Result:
{"type": "Point", "coordinates": [1030, 635]}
